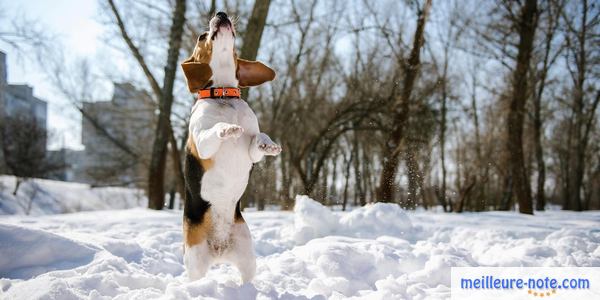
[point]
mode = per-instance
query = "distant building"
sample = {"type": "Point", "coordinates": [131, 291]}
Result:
{"type": "Point", "coordinates": [18, 100]}
{"type": "Point", "coordinates": [68, 165]}
{"type": "Point", "coordinates": [118, 136]}
{"type": "Point", "coordinates": [3, 83]}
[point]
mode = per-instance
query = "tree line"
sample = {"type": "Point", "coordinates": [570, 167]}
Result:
{"type": "Point", "coordinates": [456, 105]}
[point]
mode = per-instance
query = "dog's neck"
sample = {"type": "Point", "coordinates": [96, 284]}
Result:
{"type": "Point", "coordinates": [222, 61]}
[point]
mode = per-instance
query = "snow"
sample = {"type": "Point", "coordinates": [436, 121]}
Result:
{"type": "Point", "coordinates": [313, 220]}
{"type": "Point", "coordinates": [42, 197]}
{"type": "Point", "coordinates": [38, 252]}
{"type": "Point", "coordinates": [375, 252]}
{"type": "Point", "coordinates": [376, 219]}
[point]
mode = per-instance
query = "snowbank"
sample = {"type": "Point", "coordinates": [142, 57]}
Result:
{"type": "Point", "coordinates": [313, 220]}
{"type": "Point", "coordinates": [375, 220]}
{"type": "Point", "coordinates": [42, 197]}
{"type": "Point", "coordinates": [27, 253]}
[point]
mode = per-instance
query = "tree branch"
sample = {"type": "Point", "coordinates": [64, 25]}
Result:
{"type": "Point", "coordinates": [135, 51]}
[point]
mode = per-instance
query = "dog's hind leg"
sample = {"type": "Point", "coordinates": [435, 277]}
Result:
{"type": "Point", "coordinates": [241, 254]}
{"type": "Point", "coordinates": [197, 260]}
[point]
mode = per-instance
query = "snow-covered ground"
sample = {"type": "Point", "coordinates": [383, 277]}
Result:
{"type": "Point", "coordinates": [375, 252]}
{"type": "Point", "coordinates": [44, 197]}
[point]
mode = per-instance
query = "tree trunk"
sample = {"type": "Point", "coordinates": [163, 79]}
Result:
{"type": "Point", "coordinates": [480, 189]}
{"type": "Point", "coordinates": [506, 200]}
{"type": "Point", "coordinates": [577, 169]}
{"type": "Point", "coordinates": [366, 172]}
{"type": "Point", "coordinates": [539, 151]}
{"type": "Point", "coordinates": [253, 34]}
{"type": "Point", "coordinates": [385, 192]}
{"type": "Point", "coordinates": [579, 137]}
{"type": "Point", "coordinates": [334, 193]}
{"type": "Point", "coordinates": [540, 203]}
{"type": "Point", "coordinates": [18, 182]}
{"type": "Point", "coordinates": [177, 167]}
{"type": "Point", "coordinates": [213, 8]}
{"type": "Point", "coordinates": [347, 177]}
{"type": "Point", "coordinates": [566, 166]}
{"type": "Point", "coordinates": [324, 187]}
{"type": "Point", "coordinates": [444, 110]}
{"type": "Point", "coordinates": [442, 194]}
{"type": "Point", "coordinates": [413, 178]}
{"type": "Point", "coordinates": [35, 187]}
{"type": "Point", "coordinates": [537, 118]}
{"type": "Point", "coordinates": [171, 199]}
{"type": "Point", "coordinates": [464, 195]}
{"type": "Point", "coordinates": [359, 183]}
{"type": "Point", "coordinates": [286, 182]}
{"type": "Point", "coordinates": [387, 182]}
{"type": "Point", "coordinates": [249, 51]}
{"type": "Point", "coordinates": [527, 25]}
{"type": "Point", "coordinates": [156, 194]}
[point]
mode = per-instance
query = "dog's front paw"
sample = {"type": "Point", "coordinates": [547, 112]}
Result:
{"type": "Point", "coordinates": [270, 148]}
{"type": "Point", "coordinates": [267, 146]}
{"type": "Point", "coordinates": [227, 131]}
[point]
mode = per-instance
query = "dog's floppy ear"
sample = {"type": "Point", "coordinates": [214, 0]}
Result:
{"type": "Point", "coordinates": [197, 74]}
{"type": "Point", "coordinates": [252, 73]}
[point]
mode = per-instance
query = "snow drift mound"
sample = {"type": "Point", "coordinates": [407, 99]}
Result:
{"type": "Point", "coordinates": [375, 220]}
{"type": "Point", "coordinates": [313, 220]}
{"type": "Point", "coordinates": [27, 253]}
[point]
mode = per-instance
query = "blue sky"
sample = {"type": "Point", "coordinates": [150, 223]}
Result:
{"type": "Point", "coordinates": [75, 21]}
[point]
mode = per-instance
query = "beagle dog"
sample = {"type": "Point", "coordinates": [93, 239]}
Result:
{"type": "Point", "coordinates": [224, 141]}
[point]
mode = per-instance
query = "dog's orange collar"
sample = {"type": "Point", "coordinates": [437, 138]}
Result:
{"type": "Point", "coordinates": [219, 92]}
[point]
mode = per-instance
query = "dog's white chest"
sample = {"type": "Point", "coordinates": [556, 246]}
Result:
{"type": "Point", "coordinates": [225, 181]}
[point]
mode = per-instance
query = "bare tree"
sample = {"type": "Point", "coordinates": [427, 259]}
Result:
{"type": "Point", "coordinates": [526, 24]}
{"type": "Point", "coordinates": [24, 148]}
{"type": "Point", "coordinates": [449, 34]}
{"type": "Point", "coordinates": [400, 108]}
{"type": "Point", "coordinates": [550, 54]}
{"type": "Point", "coordinates": [164, 96]}
{"type": "Point", "coordinates": [580, 57]}
{"type": "Point", "coordinates": [251, 44]}
{"type": "Point", "coordinates": [24, 34]}
{"type": "Point", "coordinates": [253, 33]}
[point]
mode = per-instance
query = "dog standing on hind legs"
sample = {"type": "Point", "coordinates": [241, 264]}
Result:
{"type": "Point", "coordinates": [224, 141]}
